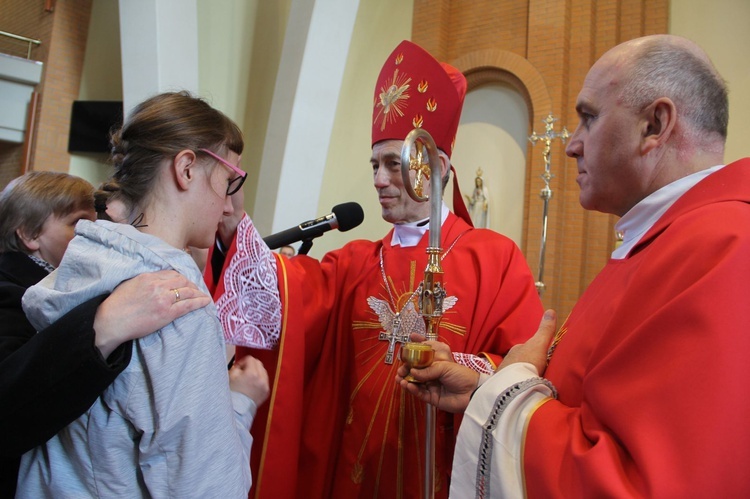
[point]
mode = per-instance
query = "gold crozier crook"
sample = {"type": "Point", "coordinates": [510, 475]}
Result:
{"type": "Point", "coordinates": [432, 293]}
{"type": "Point", "coordinates": [418, 165]}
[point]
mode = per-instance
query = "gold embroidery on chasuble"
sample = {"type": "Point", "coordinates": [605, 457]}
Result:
{"type": "Point", "coordinates": [557, 339]}
{"type": "Point", "coordinates": [396, 315]}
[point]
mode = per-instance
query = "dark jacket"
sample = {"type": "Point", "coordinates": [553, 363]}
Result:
{"type": "Point", "coordinates": [47, 379]}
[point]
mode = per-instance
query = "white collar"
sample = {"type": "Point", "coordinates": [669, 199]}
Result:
{"type": "Point", "coordinates": [641, 217]}
{"type": "Point", "coordinates": [409, 234]}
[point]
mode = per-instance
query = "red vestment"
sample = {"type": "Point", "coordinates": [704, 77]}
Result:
{"type": "Point", "coordinates": [652, 370]}
{"type": "Point", "coordinates": [356, 432]}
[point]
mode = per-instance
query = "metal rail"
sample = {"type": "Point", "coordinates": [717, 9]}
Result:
{"type": "Point", "coordinates": [30, 41]}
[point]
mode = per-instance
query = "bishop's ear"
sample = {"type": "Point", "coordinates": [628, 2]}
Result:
{"type": "Point", "coordinates": [659, 121]}
{"type": "Point", "coordinates": [445, 164]}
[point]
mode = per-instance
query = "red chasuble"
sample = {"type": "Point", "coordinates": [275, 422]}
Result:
{"type": "Point", "coordinates": [652, 370]}
{"type": "Point", "coordinates": [339, 424]}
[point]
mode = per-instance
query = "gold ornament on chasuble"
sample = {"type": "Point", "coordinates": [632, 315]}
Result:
{"type": "Point", "coordinates": [556, 340]}
{"type": "Point", "coordinates": [397, 315]}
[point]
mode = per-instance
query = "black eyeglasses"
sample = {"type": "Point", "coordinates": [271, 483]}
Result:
{"type": "Point", "coordinates": [236, 183]}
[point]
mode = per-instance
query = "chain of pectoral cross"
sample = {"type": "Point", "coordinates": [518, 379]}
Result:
{"type": "Point", "coordinates": [395, 335]}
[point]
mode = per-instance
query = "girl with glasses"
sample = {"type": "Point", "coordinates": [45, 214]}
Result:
{"type": "Point", "coordinates": [173, 423]}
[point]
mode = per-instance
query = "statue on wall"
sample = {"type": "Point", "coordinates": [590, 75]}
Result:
{"type": "Point", "coordinates": [479, 203]}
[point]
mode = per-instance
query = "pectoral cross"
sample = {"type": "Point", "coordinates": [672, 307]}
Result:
{"type": "Point", "coordinates": [407, 320]}
{"type": "Point", "coordinates": [393, 337]}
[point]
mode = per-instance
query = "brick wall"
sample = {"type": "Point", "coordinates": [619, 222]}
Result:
{"type": "Point", "coordinates": [63, 34]}
{"type": "Point", "coordinates": [544, 48]}
{"type": "Point", "coordinates": [25, 18]}
{"type": "Point", "coordinates": [61, 84]}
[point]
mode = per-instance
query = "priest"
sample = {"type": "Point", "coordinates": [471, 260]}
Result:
{"type": "Point", "coordinates": [641, 392]}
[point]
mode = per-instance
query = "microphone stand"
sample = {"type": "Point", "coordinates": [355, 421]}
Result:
{"type": "Point", "coordinates": [432, 292]}
{"type": "Point", "coordinates": [305, 246]}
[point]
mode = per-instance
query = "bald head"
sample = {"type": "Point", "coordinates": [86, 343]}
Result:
{"type": "Point", "coordinates": [677, 68]}
{"type": "Point", "coordinates": [652, 110]}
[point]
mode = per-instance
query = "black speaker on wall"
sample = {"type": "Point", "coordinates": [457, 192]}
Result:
{"type": "Point", "coordinates": [90, 124]}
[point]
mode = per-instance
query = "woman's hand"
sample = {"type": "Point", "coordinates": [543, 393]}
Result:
{"type": "Point", "coordinates": [142, 305]}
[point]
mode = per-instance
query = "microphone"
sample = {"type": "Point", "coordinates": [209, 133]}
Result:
{"type": "Point", "coordinates": [345, 217]}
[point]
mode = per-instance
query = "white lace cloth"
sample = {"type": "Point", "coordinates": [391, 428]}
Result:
{"type": "Point", "coordinates": [250, 308]}
{"type": "Point", "coordinates": [478, 364]}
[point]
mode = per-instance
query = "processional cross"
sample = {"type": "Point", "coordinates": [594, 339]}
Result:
{"type": "Point", "coordinates": [546, 192]}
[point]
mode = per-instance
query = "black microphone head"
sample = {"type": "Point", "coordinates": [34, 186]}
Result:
{"type": "Point", "coordinates": [348, 215]}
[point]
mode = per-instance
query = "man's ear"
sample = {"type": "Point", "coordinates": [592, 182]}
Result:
{"type": "Point", "coordinates": [659, 121]}
{"type": "Point", "coordinates": [184, 166]}
{"type": "Point", "coordinates": [445, 165]}
{"type": "Point", "coordinates": [31, 243]}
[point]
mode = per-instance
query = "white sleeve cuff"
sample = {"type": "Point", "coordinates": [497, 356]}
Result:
{"type": "Point", "coordinates": [488, 451]}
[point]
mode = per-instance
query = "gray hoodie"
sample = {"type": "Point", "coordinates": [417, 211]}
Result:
{"type": "Point", "coordinates": [168, 426]}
